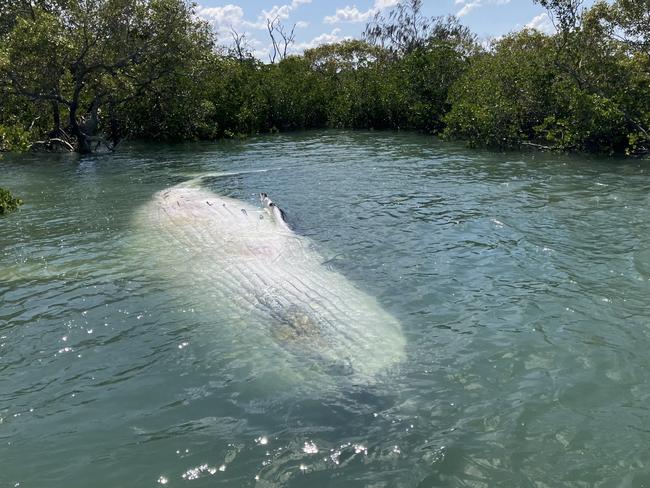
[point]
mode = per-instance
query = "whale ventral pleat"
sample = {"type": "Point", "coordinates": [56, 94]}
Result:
{"type": "Point", "coordinates": [257, 273]}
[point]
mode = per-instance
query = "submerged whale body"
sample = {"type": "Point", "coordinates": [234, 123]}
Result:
{"type": "Point", "coordinates": [267, 285]}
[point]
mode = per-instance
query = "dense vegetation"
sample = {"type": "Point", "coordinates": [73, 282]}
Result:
{"type": "Point", "coordinates": [83, 74]}
{"type": "Point", "coordinates": [8, 202]}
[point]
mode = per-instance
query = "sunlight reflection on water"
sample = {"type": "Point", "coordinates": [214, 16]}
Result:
{"type": "Point", "coordinates": [520, 280]}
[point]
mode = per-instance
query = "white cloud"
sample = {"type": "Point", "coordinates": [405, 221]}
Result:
{"type": "Point", "coordinates": [231, 16]}
{"type": "Point", "coordinates": [280, 12]}
{"type": "Point", "coordinates": [222, 18]}
{"type": "Point", "coordinates": [382, 4]}
{"type": "Point", "coordinates": [348, 14]}
{"type": "Point", "coordinates": [260, 50]}
{"type": "Point", "coordinates": [353, 14]}
{"type": "Point", "coordinates": [325, 38]}
{"type": "Point", "coordinates": [263, 51]}
{"type": "Point", "coordinates": [470, 5]}
{"type": "Point", "coordinates": [467, 8]}
{"type": "Point", "coordinates": [542, 23]}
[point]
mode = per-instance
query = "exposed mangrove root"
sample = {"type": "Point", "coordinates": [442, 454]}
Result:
{"type": "Point", "coordinates": [52, 145]}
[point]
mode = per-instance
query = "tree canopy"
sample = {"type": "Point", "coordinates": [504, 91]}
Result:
{"type": "Point", "coordinates": [84, 74]}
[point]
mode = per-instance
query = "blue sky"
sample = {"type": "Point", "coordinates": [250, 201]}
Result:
{"type": "Point", "coordinates": [320, 21]}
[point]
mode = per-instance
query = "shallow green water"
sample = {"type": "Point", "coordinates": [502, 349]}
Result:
{"type": "Point", "coordinates": [521, 282]}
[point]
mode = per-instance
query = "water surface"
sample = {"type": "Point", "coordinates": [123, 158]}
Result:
{"type": "Point", "coordinates": [521, 282]}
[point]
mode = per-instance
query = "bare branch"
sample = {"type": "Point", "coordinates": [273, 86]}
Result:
{"type": "Point", "coordinates": [287, 39]}
{"type": "Point", "coordinates": [280, 48]}
{"type": "Point", "coordinates": [240, 48]}
{"type": "Point", "coordinates": [271, 26]}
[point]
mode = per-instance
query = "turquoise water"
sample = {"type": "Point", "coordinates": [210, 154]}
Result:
{"type": "Point", "coordinates": [521, 282]}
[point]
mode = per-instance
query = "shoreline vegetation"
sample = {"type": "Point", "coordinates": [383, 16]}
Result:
{"type": "Point", "coordinates": [8, 203]}
{"type": "Point", "coordinates": [82, 75]}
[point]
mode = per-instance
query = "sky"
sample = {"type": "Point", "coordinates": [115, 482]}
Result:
{"type": "Point", "coordinates": [324, 21]}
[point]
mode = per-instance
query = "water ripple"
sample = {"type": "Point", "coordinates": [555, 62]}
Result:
{"type": "Point", "coordinates": [521, 282]}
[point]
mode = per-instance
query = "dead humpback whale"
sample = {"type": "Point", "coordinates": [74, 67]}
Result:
{"type": "Point", "coordinates": [268, 284]}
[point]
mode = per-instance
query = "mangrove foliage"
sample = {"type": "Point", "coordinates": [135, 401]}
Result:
{"type": "Point", "coordinates": [8, 203]}
{"type": "Point", "coordinates": [84, 74]}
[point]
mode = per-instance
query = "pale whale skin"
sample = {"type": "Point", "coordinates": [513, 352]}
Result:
{"type": "Point", "coordinates": [268, 285]}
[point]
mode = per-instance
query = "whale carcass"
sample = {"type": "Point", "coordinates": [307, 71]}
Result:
{"type": "Point", "coordinates": [267, 285]}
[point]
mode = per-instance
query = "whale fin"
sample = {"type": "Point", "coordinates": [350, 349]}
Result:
{"type": "Point", "coordinates": [279, 214]}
